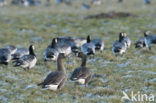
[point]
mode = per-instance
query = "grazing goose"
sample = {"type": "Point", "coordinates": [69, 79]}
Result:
{"type": "Point", "coordinates": [126, 39]}
{"type": "Point", "coordinates": [82, 74]}
{"type": "Point", "coordinates": [140, 43]}
{"type": "Point", "coordinates": [149, 39]}
{"type": "Point", "coordinates": [99, 45]}
{"type": "Point", "coordinates": [20, 52]}
{"type": "Point", "coordinates": [53, 50]}
{"type": "Point", "coordinates": [55, 80]}
{"type": "Point", "coordinates": [5, 56]}
{"type": "Point", "coordinates": [119, 47]}
{"type": "Point", "coordinates": [88, 48]}
{"type": "Point", "coordinates": [74, 42]}
{"type": "Point", "coordinates": [11, 48]}
{"type": "Point", "coordinates": [27, 61]}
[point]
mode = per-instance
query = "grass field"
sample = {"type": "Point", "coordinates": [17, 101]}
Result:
{"type": "Point", "coordinates": [135, 71]}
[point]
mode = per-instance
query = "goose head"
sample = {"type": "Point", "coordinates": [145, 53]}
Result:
{"type": "Point", "coordinates": [88, 39]}
{"type": "Point", "coordinates": [31, 50]}
{"type": "Point", "coordinates": [54, 42]}
{"type": "Point", "coordinates": [146, 33]}
{"type": "Point", "coordinates": [121, 36]}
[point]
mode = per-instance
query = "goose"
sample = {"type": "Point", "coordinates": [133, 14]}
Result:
{"type": "Point", "coordinates": [99, 45]}
{"type": "Point", "coordinates": [19, 53]}
{"type": "Point", "coordinates": [149, 39]}
{"type": "Point", "coordinates": [119, 47]}
{"type": "Point", "coordinates": [11, 48]}
{"type": "Point", "coordinates": [126, 39]}
{"type": "Point", "coordinates": [5, 56]}
{"type": "Point", "coordinates": [140, 43]}
{"type": "Point", "coordinates": [82, 74]}
{"type": "Point", "coordinates": [55, 80]}
{"type": "Point", "coordinates": [88, 48]}
{"type": "Point", "coordinates": [53, 50]}
{"type": "Point", "coordinates": [27, 61]}
{"type": "Point", "coordinates": [74, 42]}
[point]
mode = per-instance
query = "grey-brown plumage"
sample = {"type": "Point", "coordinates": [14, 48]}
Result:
{"type": "Point", "coordinates": [82, 74]}
{"type": "Point", "coordinates": [55, 80]}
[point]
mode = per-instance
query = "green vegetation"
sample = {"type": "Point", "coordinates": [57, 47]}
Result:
{"type": "Point", "coordinates": [22, 26]}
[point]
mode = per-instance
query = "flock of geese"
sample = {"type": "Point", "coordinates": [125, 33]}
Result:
{"type": "Point", "coordinates": [61, 48]}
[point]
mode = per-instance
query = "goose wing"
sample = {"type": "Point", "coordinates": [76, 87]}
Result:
{"type": "Point", "coordinates": [53, 78]}
{"type": "Point", "coordinates": [80, 73]}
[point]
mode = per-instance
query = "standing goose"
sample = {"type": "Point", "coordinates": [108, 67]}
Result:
{"type": "Point", "coordinates": [27, 61]}
{"type": "Point", "coordinates": [53, 50]}
{"type": "Point", "coordinates": [126, 39]}
{"type": "Point", "coordinates": [82, 74]}
{"type": "Point", "coordinates": [88, 48]}
{"type": "Point", "coordinates": [119, 47]}
{"type": "Point", "coordinates": [55, 80]}
{"type": "Point", "coordinates": [5, 56]}
{"type": "Point", "coordinates": [51, 53]}
{"type": "Point", "coordinates": [149, 39]}
{"type": "Point", "coordinates": [19, 53]}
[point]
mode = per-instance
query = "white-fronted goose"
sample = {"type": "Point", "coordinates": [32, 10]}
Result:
{"type": "Point", "coordinates": [27, 61]}
{"type": "Point", "coordinates": [82, 74]}
{"type": "Point", "coordinates": [88, 48]}
{"type": "Point", "coordinates": [55, 80]}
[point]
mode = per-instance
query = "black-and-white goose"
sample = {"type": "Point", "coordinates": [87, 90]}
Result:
{"type": "Point", "coordinates": [27, 61]}
{"type": "Point", "coordinates": [149, 39]}
{"type": "Point", "coordinates": [126, 39]}
{"type": "Point", "coordinates": [140, 43]}
{"type": "Point", "coordinates": [5, 56]}
{"type": "Point", "coordinates": [53, 50]}
{"type": "Point", "coordinates": [55, 80]}
{"type": "Point", "coordinates": [88, 48]}
{"type": "Point", "coordinates": [11, 48]}
{"type": "Point", "coordinates": [119, 47]}
{"type": "Point", "coordinates": [20, 52]}
{"type": "Point", "coordinates": [99, 45]}
{"type": "Point", "coordinates": [74, 42]}
{"type": "Point", "coordinates": [82, 74]}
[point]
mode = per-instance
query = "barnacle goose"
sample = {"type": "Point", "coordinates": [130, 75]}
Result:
{"type": "Point", "coordinates": [119, 47]}
{"type": "Point", "coordinates": [126, 39]}
{"type": "Point", "coordinates": [149, 39]}
{"type": "Point", "coordinates": [20, 52]}
{"type": "Point", "coordinates": [88, 48]}
{"type": "Point", "coordinates": [53, 50]}
{"type": "Point", "coordinates": [74, 42]}
{"type": "Point", "coordinates": [5, 56]}
{"type": "Point", "coordinates": [27, 61]}
{"type": "Point", "coordinates": [55, 80]}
